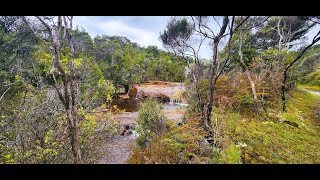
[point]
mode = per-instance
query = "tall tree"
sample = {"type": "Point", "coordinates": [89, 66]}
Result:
{"type": "Point", "coordinates": [59, 30]}
{"type": "Point", "coordinates": [178, 37]}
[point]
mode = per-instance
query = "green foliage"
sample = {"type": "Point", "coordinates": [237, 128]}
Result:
{"type": "Point", "coordinates": [310, 87]}
{"type": "Point", "coordinates": [95, 89]}
{"type": "Point", "coordinates": [177, 30]}
{"type": "Point", "coordinates": [150, 121]}
{"type": "Point", "coordinates": [125, 63]}
{"type": "Point", "coordinates": [216, 156]}
{"type": "Point", "coordinates": [231, 155]}
{"type": "Point", "coordinates": [272, 140]}
{"type": "Point", "coordinates": [267, 35]}
{"type": "Point", "coordinates": [313, 79]}
{"type": "Point", "coordinates": [179, 145]}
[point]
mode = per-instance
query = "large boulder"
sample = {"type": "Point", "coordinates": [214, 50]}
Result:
{"type": "Point", "coordinates": [133, 92]}
{"type": "Point", "coordinates": [141, 95]}
{"type": "Point", "coordinates": [205, 148]}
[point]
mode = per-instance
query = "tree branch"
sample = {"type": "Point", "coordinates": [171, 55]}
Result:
{"type": "Point", "coordinates": [55, 85]}
{"type": "Point", "coordinates": [315, 40]}
{"type": "Point", "coordinates": [45, 24]}
{"type": "Point", "coordinates": [4, 93]}
{"type": "Point", "coordinates": [29, 27]}
{"type": "Point", "coordinates": [229, 49]}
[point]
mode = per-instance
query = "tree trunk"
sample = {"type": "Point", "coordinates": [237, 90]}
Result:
{"type": "Point", "coordinates": [69, 94]}
{"type": "Point", "coordinates": [74, 128]}
{"type": "Point", "coordinates": [74, 135]}
{"type": "Point", "coordinates": [252, 84]}
{"type": "Point", "coordinates": [283, 91]}
{"type": "Point", "coordinates": [206, 120]}
{"type": "Point", "coordinates": [316, 38]}
{"type": "Point", "coordinates": [212, 77]}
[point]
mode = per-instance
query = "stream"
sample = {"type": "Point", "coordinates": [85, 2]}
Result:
{"type": "Point", "coordinates": [118, 148]}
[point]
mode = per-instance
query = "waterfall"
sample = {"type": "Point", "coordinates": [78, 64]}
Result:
{"type": "Point", "coordinates": [137, 95]}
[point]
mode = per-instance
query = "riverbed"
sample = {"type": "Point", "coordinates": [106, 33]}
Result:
{"type": "Point", "coordinates": [118, 148]}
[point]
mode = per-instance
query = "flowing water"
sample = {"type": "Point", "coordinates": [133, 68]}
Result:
{"type": "Point", "coordinates": [117, 148]}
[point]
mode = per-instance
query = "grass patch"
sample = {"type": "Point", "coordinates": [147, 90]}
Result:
{"type": "Point", "coordinates": [271, 140]}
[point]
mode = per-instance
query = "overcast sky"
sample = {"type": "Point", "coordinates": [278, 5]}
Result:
{"type": "Point", "coordinates": [144, 30]}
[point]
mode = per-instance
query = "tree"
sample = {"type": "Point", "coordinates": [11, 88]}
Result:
{"type": "Point", "coordinates": [315, 39]}
{"type": "Point", "coordinates": [60, 31]}
{"type": "Point", "coordinates": [180, 35]}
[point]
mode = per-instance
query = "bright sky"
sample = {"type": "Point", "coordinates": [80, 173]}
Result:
{"type": "Point", "coordinates": [144, 30]}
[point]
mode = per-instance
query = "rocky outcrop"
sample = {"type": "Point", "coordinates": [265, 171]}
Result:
{"type": "Point", "coordinates": [133, 92]}
{"type": "Point", "coordinates": [161, 97]}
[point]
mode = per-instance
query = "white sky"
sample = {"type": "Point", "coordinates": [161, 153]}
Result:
{"type": "Point", "coordinates": [144, 30]}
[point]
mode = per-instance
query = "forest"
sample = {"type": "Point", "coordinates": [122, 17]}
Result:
{"type": "Point", "coordinates": [67, 97]}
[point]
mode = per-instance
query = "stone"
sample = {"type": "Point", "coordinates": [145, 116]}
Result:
{"type": "Point", "coordinates": [133, 92]}
{"type": "Point", "coordinates": [133, 126]}
{"type": "Point", "coordinates": [128, 132]}
{"type": "Point", "coordinates": [162, 98]}
{"type": "Point", "coordinates": [141, 95]}
{"type": "Point", "coordinates": [205, 148]}
{"type": "Point", "coordinates": [291, 123]}
{"type": "Point", "coordinates": [122, 131]}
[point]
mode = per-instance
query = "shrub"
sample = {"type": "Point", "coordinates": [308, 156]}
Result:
{"type": "Point", "coordinates": [313, 78]}
{"type": "Point", "coordinates": [179, 145]}
{"type": "Point", "coordinates": [150, 121]}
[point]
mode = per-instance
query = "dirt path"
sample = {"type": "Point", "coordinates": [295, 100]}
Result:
{"type": "Point", "coordinates": [317, 110]}
{"type": "Point", "coordinates": [312, 92]}
{"type": "Point", "coordinates": [118, 150]}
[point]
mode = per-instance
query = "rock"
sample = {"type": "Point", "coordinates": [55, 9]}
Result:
{"type": "Point", "coordinates": [133, 92]}
{"type": "Point", "coordinates": [125, 96]}
{"type": "Point", "coordinates": [205, 148]}
{"type": "Point", "coordinates": [128, 132]}
{"type": "Point", "coordinates": [291, 123]}
{"type": "Point", "coordinates": [124, 130]}
{"type": "Point", "coordinates": [180, 122]}
{"type": "Point", "coordinates": [162, 98]}
{"type": "Point", "coordinates": [141, 95]}
{"type": "Point", "coordinates": [133, 126]}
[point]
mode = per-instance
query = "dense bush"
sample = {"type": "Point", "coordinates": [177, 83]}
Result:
{"type": "Point", "coordinates": [179, 145]}
{"type": "Point", "coordinates": [150, 121]}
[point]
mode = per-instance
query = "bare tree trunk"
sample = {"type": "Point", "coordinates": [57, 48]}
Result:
{"type": "Point", "coordinates": [283, 91]}
{"type": "Point", "coordinates": [207, 109]}
{"type": "Point", "coordinates": [74, 128]}
{"type": "Point", "coordinates": [69, 97]}
{"type": "Point", "coordinates": [206, 121]}
{"type": "Point", "coordinates": [252, 84]}
{"type": "Point", "coordinates": [280, 35]}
